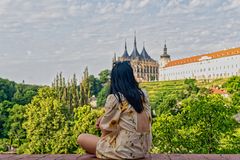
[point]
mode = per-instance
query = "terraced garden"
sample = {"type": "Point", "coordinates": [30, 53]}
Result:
{"type": "Point", "coordinates": [156, 89]}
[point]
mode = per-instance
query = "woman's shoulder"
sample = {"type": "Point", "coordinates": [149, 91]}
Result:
{"type": "Point", "coordinates": [115, 97]}
{"type": "Point", "coordinates": [111, 97]}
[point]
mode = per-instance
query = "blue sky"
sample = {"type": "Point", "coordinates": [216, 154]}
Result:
{"type": "Point", "coordinates": [39, 38]}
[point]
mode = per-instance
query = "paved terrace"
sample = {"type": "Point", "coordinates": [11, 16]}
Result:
{"type": "Point", "coordinates": [149, 157]}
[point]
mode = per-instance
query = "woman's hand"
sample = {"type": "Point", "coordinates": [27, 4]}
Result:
{"type": "Point", "coordinates": [98, 122]}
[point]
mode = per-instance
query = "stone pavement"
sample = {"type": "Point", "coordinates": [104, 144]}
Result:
{"type": "Point", "coordinates": [91, 157]}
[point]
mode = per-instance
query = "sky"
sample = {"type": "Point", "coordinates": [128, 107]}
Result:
{"type": "Point", "coordinates": [40, 38]}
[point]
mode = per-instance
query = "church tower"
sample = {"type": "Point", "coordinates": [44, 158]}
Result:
{"type": "Point", "coordinates": [144, 67]}
{"type": "Point", "coordinates": [164, 58]}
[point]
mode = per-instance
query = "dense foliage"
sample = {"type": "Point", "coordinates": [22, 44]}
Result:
{"type": "Point", "coordinates": [188, 117]}
{"type": "Point", "coordinates": [195, 121]}
{"type": "Point", "coordinates": [12, 97]}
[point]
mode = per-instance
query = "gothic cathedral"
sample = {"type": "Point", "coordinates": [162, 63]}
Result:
{"type": "Point", "coordinates": [144, 67]}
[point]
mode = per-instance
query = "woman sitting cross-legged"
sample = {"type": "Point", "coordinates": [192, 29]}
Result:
{"type": "Point", "coordinates": [126, 123]}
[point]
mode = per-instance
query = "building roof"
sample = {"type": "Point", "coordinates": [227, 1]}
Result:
{"type": "Point", "coordinates": [218, 91]}
{"type": "Point", "coordinates": [135, 54]}
{"type": "Point", "coordinates": [214, 55]}
{"type": "Point", "coordinates": [145, 55]}
{"type": "Point", "coordinates": [125, 54]}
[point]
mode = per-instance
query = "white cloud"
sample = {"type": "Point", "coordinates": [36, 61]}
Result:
{"type": "Point", "coordinates": [127, 4]}
{"type": "Point", "coordinates": [3, 6]}
{"type": "Point", "coordinates": [29, 53]}
{"type": "Point", "coordinates": [106, 8]}
{"type": "Point", "coordinates": [68, 35]}
{"type": "Point", "coordinates": [230, 5]}
{"type": "Point", "coordinates": [143, 3]}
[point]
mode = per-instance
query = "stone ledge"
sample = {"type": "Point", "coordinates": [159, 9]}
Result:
{"type": "Point", "coordinates": [91, 157]}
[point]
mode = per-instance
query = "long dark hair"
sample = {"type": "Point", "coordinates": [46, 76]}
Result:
{"type": "Point", "coordinates": [123, 81]}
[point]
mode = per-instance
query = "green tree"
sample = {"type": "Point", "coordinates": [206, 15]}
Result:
{"type": "Point", "coordinates": [168, 105]}
{"type": "Point", "coordinates": [104, 76]}
{"type": "Point", "coordinates": [95, 85]}
{"type": "Point", "coordinates": [16, 118]}
{"type": "Point", "coordinates": [84, 122]}
{"type": "Point", "coordinates": [233, 84]}
{"type": "Point", "coordinates": [206, 118]}
{"type": "Point", "coordinates": [102, 96]}
{"type": "Point", "coordinates": [47, 127]}
{"type": "Point", "coordinates": [164, 129]}
{"type": "Point", "coordinates": [198, 127]}
{"type": "Point", "coordinates": [5, 106]}
{"type": "Point", "coordinates": [7, 89]}
{"type": "Point", "coordinates": [233, 87]}
{"type": "Point", "coordinates": [24, 94]}
{"type": "Point", "coordinates": [230, 142]}
{"type": "Point", "coordinates": [85, 88]}
{"type": "Point", "coordinates": [191, 86]}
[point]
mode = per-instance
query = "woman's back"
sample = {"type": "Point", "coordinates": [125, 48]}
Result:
{"type": "Point", "coordinates": [129, 134]}
{"type": "Point", "coordinates": [126, 123]}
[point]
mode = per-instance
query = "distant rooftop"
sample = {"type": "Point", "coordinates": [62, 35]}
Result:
{"type": "Point", "coordinates": [214, 55]}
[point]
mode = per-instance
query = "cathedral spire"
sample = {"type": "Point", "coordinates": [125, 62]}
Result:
{"type": "Point", "coordinates": [135, 53]}
{"type": "Point", "coordinates": [125, 53]}
{"type": "Point", "coordinates": [144, 55]}
{"type": "Point", "coordinates": [125, 45]}
{"type": "Point", "coordinates": [135, 40]}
